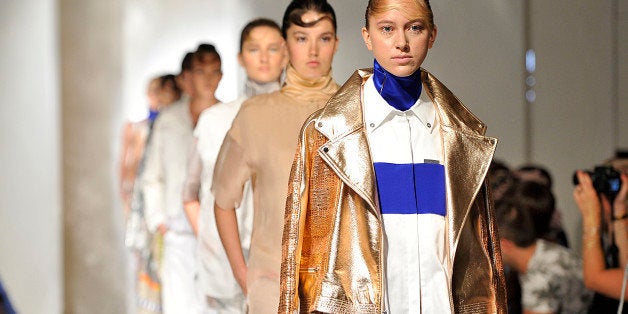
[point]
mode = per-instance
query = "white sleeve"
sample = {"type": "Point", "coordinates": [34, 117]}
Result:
{"type": "Point", "coordinates": [153, 180]}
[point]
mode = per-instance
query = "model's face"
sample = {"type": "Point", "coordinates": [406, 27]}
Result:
{"type": "Point", "coordinates": [312, 49]}
{"type": "Point", "coordinates": [184, 81]}
{"type": "Point", "coordinates": [153, 94]}
{"type": "Point", "coordinates": [400, 45]}
{"type": "Point", "coordinates": [205, 77]}
{"type": "Point", "coordinates": [167, 95]}
{"type": "Point", "coordinates": [263, 55]}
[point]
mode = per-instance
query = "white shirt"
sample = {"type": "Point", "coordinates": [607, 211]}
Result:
{"type": "Point", "coordinates": [165, 168]}
{"type": "Point", "coordinates": [215, 277]}
{"type": "Point", "coordinates": [406, 150]}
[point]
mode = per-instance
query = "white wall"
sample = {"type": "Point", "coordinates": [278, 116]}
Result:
{"type": "Point", "coordinates": [622, 68]}
{"type": "Point", "coordinates": [479, 55]}
{"type": "Point", "coordinates": [572, 118]}
{"type": "Point", "coordinates": [157, 34]}
{"type": "Point", "coordinates": [30, 180]}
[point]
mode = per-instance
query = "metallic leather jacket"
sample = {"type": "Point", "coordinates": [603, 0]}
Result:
{"type": "Point", "coordinates": [333, 242]}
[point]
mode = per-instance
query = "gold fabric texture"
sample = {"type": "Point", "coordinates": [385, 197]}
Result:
{"type": "Point", "coordinates": [333, 243]}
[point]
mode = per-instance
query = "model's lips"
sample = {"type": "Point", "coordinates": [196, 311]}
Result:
{"type": "Point", "coordinates": [402, 58]}
{"type": "Point", "coordinates": [313, 63]}
{"type": "Point", "coordinates": [263, 69]}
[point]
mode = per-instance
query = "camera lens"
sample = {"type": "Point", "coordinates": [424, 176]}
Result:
{"type": "Point", "coordinates": [574, 179]}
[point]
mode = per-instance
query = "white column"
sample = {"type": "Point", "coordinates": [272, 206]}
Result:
{"type": "Point", "coordinates": [30, 180]}
{"type": "Point", "coordinates": [91, 54]}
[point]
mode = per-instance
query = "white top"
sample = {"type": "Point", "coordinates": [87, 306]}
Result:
{"type": "Point", "coordinates": [553, 281]}
{"type": "Point", "coordinates": [407, 155]}
{"type": "Point", "coordinates": [165, 168]}
{"type": "Point", "coordinates": [215, 276]}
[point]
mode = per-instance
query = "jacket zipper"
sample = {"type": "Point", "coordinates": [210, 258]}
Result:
{"type": "Point", "coordinates": [310, 270]}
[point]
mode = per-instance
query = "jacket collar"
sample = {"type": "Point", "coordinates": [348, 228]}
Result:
{"type": "Point", "coordinates": [467, 152]}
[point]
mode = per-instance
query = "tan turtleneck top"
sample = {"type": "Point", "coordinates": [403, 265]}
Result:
{"type": "Point", "coordinates": [261, 145]}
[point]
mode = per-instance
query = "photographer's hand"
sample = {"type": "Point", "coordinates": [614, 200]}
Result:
{"type": "Point", "coordinates": [588, 201]}
{"type": "Point", "coordinates": [619, 205]}
{"type": "Point", "coordinates": [620, 221]}
{"type": "Point", "coordinates": [592, 255]}
{"type": "Point", "coordinates": [596, 276]}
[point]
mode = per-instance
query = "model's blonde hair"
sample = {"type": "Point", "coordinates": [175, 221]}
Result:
{"type": "Point", "coordinates": [412, 9]}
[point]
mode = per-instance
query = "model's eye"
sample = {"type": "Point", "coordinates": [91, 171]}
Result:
{"type": "Point", "coordinates": [326, 39]}
{"type": "Point", "coordinates": [273, 49]}
{"type": "Point", "coordinates": [417, 28]}
{"type": "Point", "coordinates": [301, 39]}
{"type": "Point", "coordinates": [386, 29]}
{"type": "Point", "coordinates": [253, 50]}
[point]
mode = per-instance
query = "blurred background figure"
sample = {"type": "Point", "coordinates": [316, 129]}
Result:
{"type": "Point", "coordinates": [601, 199]}
{"type": "Point", "coordinates": [164, 174]}
{"type": "Point", "coordinates": [550, 275]}
{"type": "Point", "coordinates": [263, 57]}
{"type": "Point", "coordinates": [549, 228]}
{"type": "Point", "coordinates": [162, 91]}
{"type": "Point", "coordinates": [500, 178]}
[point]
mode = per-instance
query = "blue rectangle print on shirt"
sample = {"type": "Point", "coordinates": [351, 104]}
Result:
{"type": "Point", "coordinates": [411, 188]}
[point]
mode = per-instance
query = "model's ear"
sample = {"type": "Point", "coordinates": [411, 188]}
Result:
{"type": "Point", "coordinates": [240, 61]}
{"type": "Point", "coordinates": [284, 51]}
{"type": "Point", "coordinates": [506, 244]}
{"type": "Point", "coordinates": [433, 36]}
{"type": "Point", "coordinates": [367, 38]}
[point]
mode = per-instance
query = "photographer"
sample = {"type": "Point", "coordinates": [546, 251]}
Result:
{"type": "Point", "coordinates": [596, 214]}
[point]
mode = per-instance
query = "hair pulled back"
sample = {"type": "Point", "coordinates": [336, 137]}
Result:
{"type": "Point", "coordinates": [422, 10]}
{"type": "Point", "coordinates": [259, 22]}
{"type": "Point", "coordinates": [296, 9]}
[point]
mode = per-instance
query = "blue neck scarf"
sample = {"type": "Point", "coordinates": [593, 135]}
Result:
{"type": "Point", "coordinates": [399, 92]}
{"type": "Point", "coordinates": [152, 115]}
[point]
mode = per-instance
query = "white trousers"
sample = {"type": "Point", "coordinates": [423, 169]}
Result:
{"type": "Point", "coordinates": [235, 305]}
{"type": "Point", "coordinates": [177, 274]}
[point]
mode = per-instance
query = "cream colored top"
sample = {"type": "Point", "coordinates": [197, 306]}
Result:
{"type": "Point", "coordinates": [261, 145]}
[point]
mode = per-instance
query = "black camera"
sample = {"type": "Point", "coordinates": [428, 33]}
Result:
{"type": "Point", "coordinates": [606, 180]}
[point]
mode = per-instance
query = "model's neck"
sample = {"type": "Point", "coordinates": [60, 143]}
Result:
{"type": "Point", "coordinates": [521, 258]}
{"type": "Point", "coordinates": [253, 88]}
{"type": "Point", "coordinates": [198, 104]}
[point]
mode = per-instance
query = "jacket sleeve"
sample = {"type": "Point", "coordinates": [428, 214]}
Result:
{"type": "Point", "coordinates": [152, 180]}
{"type": "Point", "coordinates": [494, 249]}
{"type": "Point", "coordinates": [192, 183]}
{"type": "Point", "coordinates": [294, 221]}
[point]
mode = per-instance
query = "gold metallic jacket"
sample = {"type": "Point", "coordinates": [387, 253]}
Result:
{"type": "Point", "coordinates": [333, 243]}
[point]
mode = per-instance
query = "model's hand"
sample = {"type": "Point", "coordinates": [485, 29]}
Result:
{"type": "Point", "coordinates": [619, 205]}
{"type": "Point", "coordinates": [162, 229]}
{"type": "Point", "coordinates": [587, 199]}
{"type": "Point", "coordinates": [227, 225]}
{"type": "Point", "coordinates": [240, 277]}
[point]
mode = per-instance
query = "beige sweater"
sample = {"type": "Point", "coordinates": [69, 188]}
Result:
{"type": "Point", "coordinates": [260, 146]}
